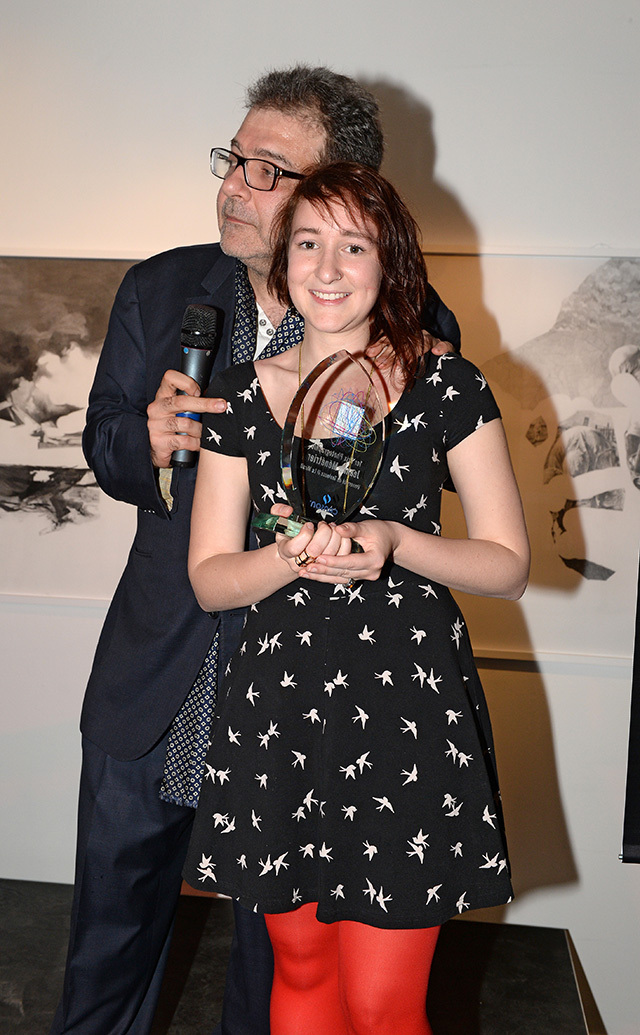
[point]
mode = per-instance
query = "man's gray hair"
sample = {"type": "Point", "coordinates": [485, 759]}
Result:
{"type": "Point", "coordinates": [347, 112]}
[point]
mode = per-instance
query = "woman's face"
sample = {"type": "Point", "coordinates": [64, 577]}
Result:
{"type": "Point", "coordinates": [333, 270]}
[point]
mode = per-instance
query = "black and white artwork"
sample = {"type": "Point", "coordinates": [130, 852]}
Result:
{"type": "Point", "coordinates": [559, 341]}
{"type": "Point", "coordinates": [53, 318]}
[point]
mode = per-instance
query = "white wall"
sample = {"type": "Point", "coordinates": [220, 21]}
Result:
{"type": "Point", "coordinates": [513, 128]}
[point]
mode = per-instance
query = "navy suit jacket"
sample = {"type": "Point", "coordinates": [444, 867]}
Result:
{"type": "Point", "coordinates": [155, 635]}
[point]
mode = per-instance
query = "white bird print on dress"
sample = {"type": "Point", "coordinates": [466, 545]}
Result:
{"type": "Point", "coordinates": [397, 468]}
{"type": "Point", "coordinates": [307, 851]}
{"type": "Point", "coordinates": [299, 814]}
{"type": "Point", "coordinates": [456, 849]}
{"type": "Point", "coordinates": [362, 762]}
{"type": "Point", "coordinates": [297, 897]}
{"type": "Point", "coordinates": [262, 779]}
{"type": "Point", "coordinates": [309, 800]}
{"type": "Point", "coordinates": [213, 436]}
{"type": "Point", "coordinates": [230, 827]}
{"type": "Point", "coordinates": [409, 513]}
{"type": "Point", "coordinates": [432, 893]}
{"type": "Point", "coordinates": [433, 681]}
{"type": "Point", "coordinates": [369, 511]}
{"type": "Point", "coordinates": [246, 395]}
{"type": "Point", "coordinates": [488, 817]}
{"type": "Point", "coordinates": [369, 890]}
{"type": "Point", "coordinates": [449, 801]}
{"type": "Point", "coordinates": [250, 432]}
{"type": "Point", "coordinates": [312, 715]}
{"type": "Point", "coordinates": [268, 493]}
{"type": "Point", "coordinates": [266, 866]}
{"type": "Point", "coordinates": [449, 393]}
{"type": "Point", "coordinates": [411, 775]}
{"type": "Point", "coordinates": [275, 642]}
{"type": "Point", "coordinates": [384, 803]}
{"type": "Point", "coordinates": [452, 716]}
{"type": "Point", "coordinates": [419, 674]}
{"type": "Point", "coordinates": [403, 425]}
{"type": "Point", "coordinates": [456, 629]}
{"type": "Point", "coordinates": [361, 716]}
{"type": "Point", "coordinates": [382, 899]}
{"type": "Point", "coordinates": [483, 383]}
{"type": "Point", "coordinates": [280, 863]}
{"type": "Point", "coordinates": [394, 598]}
{"type": "Point", "coordinates": [417, 850]}
{"type": "Point", "coordinates": [206, 868]}
{"type": "Point", "coordinates": [304, 637]}
{"type": "Point", "coordinates": [298, 598]}
{"type": "Point", "coordinates": [418, 422]}
{"type": "Point", "coordinates": [455, 811]}
{"type": "Point", "coordinates": [349, 811]}
{"type": "Point", "coordinates": [349, 771]}
{"type": "Point", "coordinates": [463, 760]}
{"type": "Point", "coordinates": [385, 677]}
{"type": "Point", "coordinates": [338, 892]}
{"type": "Point", "coordinates": [264, 644]}
{"type": "Point", "coordinates": [422, 502]}
{"type": "Point", "coordinates": [242, 862]}
{"type": "Point", "coordinates": [288, 680]}
{"type": "Point", "coordinates": [429, 591]}
{"type": "Point", "coordinates": [367, 635]}
{"type": "Point", "coordinates": [411, 727]}
{"type": "Point", "coordinates": [324, 853]}
{"type": "Point", "coordinates": [256, 820]}
{"type": "Point", "coordinates": [452, 752]}
{"type": "Point", "coordinates": [299, 759]}
{"type": "Point", "coordinates": [251, 694]}
{"type": "Point", "coordinates": [233, 737]}
{"type": "Point", "coordinates": [355, 592]}
{"type": "Point", "coordinates": [223, 774]}
{"type": "Point", "coordinates": [435, 378]}
{"type": "Point", "coordinates": [461, 904]}
{"type": "Point", "coordinates": [489, 864]}
{"type": "Point", "coordinates": [369, 850]}
{"type": "Point", "coordinates": [263, 455]}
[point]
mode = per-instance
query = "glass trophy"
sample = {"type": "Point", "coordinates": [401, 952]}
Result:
{"type": "Point", "coordinates": [331, 447]}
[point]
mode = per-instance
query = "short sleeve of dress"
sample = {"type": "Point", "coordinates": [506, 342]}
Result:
{"type": "Point", "coordinates": [466, 401]}
{"type": "Point", "coordinates": [220, 430]}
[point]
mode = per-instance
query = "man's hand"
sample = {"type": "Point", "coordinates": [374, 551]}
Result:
{"type": "Point", "coordinates": [439, 348]}
{"type": "Point", "coordinates": [164, 424]}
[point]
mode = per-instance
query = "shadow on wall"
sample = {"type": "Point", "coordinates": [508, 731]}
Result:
{"type": "Point", "coordinates": [540, 849]}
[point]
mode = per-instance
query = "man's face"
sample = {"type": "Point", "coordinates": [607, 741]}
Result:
{"type": "Point", "coordinates": [245, 215]}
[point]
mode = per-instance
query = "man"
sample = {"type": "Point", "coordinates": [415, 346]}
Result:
{"type": "Point", "coordinates": [149, 698]}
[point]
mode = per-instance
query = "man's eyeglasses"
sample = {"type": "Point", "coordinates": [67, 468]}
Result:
{"type": "Point", "coordinates": [258, 174]}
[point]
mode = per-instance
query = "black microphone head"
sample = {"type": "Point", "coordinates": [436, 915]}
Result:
{"type": "Point", "coordinates": [199, 327]}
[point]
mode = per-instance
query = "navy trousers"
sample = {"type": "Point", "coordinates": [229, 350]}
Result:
{"type": "Point", "coordinates": [131, 849]}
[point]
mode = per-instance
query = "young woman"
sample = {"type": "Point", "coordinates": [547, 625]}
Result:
{"type": "Point", "coordinates": [351, 793]}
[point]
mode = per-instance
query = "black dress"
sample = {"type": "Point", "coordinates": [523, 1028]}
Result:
{"type": "Point", "coordinates": [351, 759]}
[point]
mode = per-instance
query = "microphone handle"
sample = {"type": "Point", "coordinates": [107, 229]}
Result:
{"type": "Point", "coordinates": [197, 363]}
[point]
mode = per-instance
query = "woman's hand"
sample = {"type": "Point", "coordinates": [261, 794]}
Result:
{"type": "Point", "coordinates": [301, 551]}
{"type": "Point", "coordinates": [377, 539]}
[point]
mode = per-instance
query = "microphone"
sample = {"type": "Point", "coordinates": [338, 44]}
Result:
{"type": "Point", "coordinates": [197, 340]}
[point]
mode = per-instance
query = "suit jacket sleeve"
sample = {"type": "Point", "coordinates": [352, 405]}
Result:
{"type": "Point", "coordinates": [115, 439]}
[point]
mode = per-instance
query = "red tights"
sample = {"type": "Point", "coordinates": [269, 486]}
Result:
{"type": "Point", "coordinates": [347, 978]}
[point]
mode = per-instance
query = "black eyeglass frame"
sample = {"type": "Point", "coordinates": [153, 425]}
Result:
{"type": "Point", "coordinates": [241, 161]}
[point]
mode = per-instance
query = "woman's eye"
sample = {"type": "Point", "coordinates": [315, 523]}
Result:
{"type": "Point", "coordinates": [354, 249]}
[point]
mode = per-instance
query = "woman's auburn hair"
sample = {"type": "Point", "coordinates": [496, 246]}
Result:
{"type": "Point", "coordinates": [368, 198]}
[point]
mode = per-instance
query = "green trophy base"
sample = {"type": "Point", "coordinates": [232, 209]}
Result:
{"type": "Point", "coordinates": [289, 526]}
